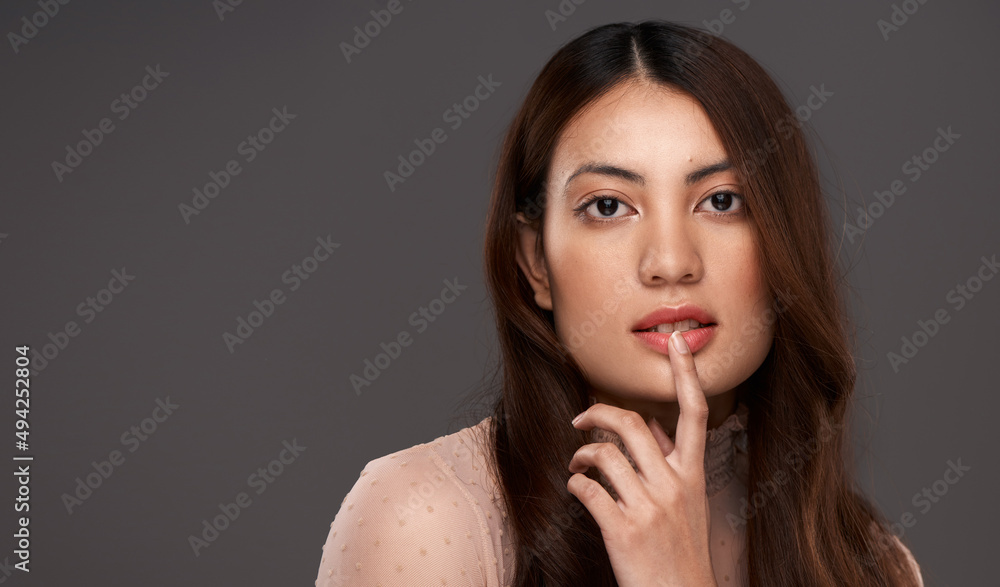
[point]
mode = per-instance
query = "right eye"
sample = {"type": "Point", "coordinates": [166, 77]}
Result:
{"type": "Point", "coordinates": [604, 207]}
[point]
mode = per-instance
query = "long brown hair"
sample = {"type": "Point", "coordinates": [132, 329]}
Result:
{"type": "Point", "coordinates": [807, 522]}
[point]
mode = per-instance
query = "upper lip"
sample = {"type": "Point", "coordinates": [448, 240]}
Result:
{"type": "Point", "coordinates": [669, 315]}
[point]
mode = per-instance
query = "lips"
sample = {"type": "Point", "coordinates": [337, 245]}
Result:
{"type": "Point", "coordinates": [670, 315]}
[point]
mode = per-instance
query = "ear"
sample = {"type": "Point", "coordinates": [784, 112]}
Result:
{"type": "Point", "coordinates": [532, 263]}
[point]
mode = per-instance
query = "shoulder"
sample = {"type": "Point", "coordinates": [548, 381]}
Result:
{"type": "Point", "coordinates": [913, 562]}
{"type": "Point", "coordinates": [424, 515]}
{"type": "Point", "coordinates": [914, 567]}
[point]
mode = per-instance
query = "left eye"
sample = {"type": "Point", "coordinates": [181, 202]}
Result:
{"type": "Point", "coordinates": [723, 201]}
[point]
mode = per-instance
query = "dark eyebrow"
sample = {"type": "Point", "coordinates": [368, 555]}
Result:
{"type": "Point", "coordinates": [636, 178]}
{"type": "Point", "coordinates": [700, 174]}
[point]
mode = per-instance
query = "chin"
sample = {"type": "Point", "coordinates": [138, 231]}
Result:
{"type": "Point", "coordinates": [637, 390]}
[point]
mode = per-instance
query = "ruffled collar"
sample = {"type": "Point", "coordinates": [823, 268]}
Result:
{"type": "Point", "coordinates": [725, 451]}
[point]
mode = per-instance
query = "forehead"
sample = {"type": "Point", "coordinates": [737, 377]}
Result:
{"type": "Point", "coordinates": [642, 124]}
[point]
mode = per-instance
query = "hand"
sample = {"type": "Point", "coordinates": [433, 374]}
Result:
{"type": "Point", "coordinates": [657, 532]}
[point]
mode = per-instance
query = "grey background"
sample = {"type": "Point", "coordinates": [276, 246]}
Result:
{"type": "Point", "coordinates": [322, 175]}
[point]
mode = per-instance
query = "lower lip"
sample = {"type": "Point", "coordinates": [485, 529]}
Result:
{"type": "Point", "coordinates": [695, 339]}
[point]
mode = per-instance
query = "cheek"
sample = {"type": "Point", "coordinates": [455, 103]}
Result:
{"type": "Point", "coordinates": [756, 306]}
{"type": "Point", "coordinates": [584, 277]}
{"type": "Point", "coordinates": [743, 300]}
{"type": "Point", "coordinates": [739, 269]}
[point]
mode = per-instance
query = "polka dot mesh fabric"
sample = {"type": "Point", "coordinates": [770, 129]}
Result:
{"type": "Point", "coordinates": [431, 514]}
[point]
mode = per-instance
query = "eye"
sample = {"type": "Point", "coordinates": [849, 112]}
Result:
{"type": "Point", "coordinates": [722, 203]}
{"type": "Point", "coordinates": [604, 206]}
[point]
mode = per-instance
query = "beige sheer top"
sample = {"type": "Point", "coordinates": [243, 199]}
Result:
{"type": "Point", "coordinates": [431, 514]}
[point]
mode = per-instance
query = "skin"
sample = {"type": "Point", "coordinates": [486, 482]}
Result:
{"type": "Point", "coordinates": [663, 243]}
{"type": "Point", "coordinates": [657, 532]}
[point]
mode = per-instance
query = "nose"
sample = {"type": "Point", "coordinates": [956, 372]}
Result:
{"type": "Point", "coordinates": [669, 250]}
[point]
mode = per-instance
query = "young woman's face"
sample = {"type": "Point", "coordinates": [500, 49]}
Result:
{"type": "Point", "coordinates": [659, 236]}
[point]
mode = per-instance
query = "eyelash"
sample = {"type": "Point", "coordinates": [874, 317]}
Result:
{"type": "Point", "coordinates": [581, 210]}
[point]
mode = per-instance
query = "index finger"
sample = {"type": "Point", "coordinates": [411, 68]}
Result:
{"type": "Point", "coordinates": [692, 423]}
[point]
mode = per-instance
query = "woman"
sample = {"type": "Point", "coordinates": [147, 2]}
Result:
{"type": "Point", "coordinates": [654, 180]}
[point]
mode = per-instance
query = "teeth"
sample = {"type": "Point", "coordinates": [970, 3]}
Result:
{"type": "Point", "coordinates": [683, 326]}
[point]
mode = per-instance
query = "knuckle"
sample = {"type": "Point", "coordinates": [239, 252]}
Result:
{"type": "Point", "coordinates": [672, 482]}
{"type": "Point", "coordinates": [700, 413]}
{"type": "Point", "coordinates": [632, 420]}
{"type": "Point", "coordinates": [634, 534]}
{"type": "Point", "coordinates": [605, 451]}
{"type": "Point", "coordinates": [621, 468]}
{"type": "Point", "coordinates": [651, 517]}
{"type": "Point", "coordinates": [672, 499]}
{"type": "Point", "coordinates": [587, 488]}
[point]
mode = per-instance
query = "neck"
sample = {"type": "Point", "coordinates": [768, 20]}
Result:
{"type": "Point", "coordinates": [720, 407]}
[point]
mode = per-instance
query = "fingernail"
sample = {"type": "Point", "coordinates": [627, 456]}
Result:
{"type": "Point", "coordinates": [679, 343]}
{"type": "Point", "coordinates": [578, 416]}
